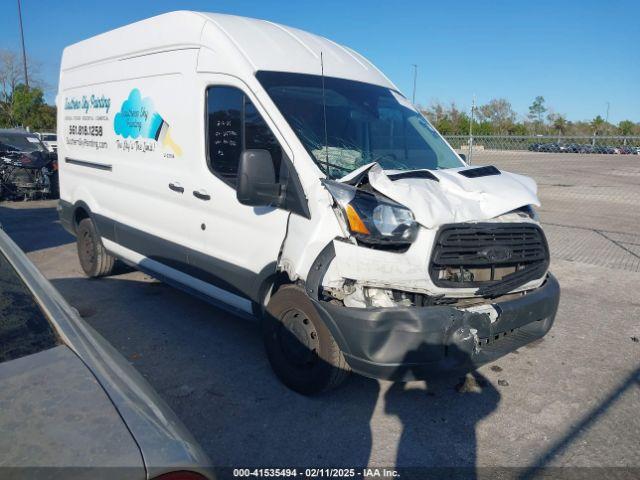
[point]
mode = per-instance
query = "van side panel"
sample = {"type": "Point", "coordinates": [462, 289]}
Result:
{"type": "Point", "coordinates": [129, 148]}
{"type": "Point", "coordinates": [124, 140]}
{"type": "Point", "coordinates": [133, 149]}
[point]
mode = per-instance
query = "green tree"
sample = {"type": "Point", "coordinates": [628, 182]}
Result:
{"type": "Point", "coordinates": [26, 107]}
{"type": "Point", "coordinates": [497, 117]}
{"type": "Point", "coordinates": [461, 126]}
{"type": "Point", "coordinates": [483, 128]}
{"type": "Point", "coordinates": [597, 124]}
{"type": "Point", "coordinates": [4, 116]}
{"type": "Point", "coordinates": [536, 112]}
{"type": "Point", "coordinates": [626, 127]}
{"type": "Point", "coordinates": [45, 119]}
{"type": "Point", "coordinates": [579, 128]}
{"type": "Point", "coordinates": [448, 120]}
{"type": "Point", "coordinates": [559, 123]}
{"type": "Point", "coordinates": [499, 113]}
{"type": "Point", "coordinates": [444, 126]}
{"type": "Point", "coordinates": [20, 105]}
{"type": "Point", "coordinates": [518, 129]}
{"type": "Point", "coordinates": [25, 104]}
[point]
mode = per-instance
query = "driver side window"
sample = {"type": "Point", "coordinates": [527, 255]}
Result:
{"type": "Point", "coordinates": [234, 125]}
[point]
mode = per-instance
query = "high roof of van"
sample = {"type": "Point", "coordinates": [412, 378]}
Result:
{"type": "Point", "coordinates": [260, 44]}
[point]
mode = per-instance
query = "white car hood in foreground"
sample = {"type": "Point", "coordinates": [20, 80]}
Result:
{"type": "Point", "coordinates": [454, 197]}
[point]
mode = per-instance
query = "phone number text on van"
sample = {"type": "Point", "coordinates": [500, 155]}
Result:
{"type": "Point", "coordinates": [91, 130]}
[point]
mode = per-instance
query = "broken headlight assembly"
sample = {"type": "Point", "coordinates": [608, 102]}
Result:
{"type": "Point", "coordinates": [527, 211]}
{"type": "Point", "coordinates": [371, 218]}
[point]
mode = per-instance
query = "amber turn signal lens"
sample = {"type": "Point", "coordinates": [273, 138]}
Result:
{"type": "Point", "coordinates": [355, 222]}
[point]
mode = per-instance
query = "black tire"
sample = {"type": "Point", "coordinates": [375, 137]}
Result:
{"type": "Point", "coordinates": [94, 259]}
{"type": "Point", "coordinates": [300, 348]}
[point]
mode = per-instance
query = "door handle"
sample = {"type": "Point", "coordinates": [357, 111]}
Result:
{"type": "Point", "coordinates": [201, 194]}
{"type": "Point", "coordinates": [176, 187]}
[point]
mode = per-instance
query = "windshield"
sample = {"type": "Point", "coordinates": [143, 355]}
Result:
{"type": "Point", "coordinates": [364, 123]}
{"type": "Point", "coordinates": [20, 142]}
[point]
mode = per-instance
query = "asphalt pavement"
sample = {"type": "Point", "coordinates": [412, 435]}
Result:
{"type": "Point", "coordinates": [569, 400]}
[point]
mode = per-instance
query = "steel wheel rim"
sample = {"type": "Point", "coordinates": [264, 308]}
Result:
{"type": "Point", "coordinates": [298, 339]}
{"type": "Point", "coordinates": [87, 248]}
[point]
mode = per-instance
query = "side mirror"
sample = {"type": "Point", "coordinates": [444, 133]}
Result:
{"type": "Point", "coordinates": [256, 184]}
{"type": "Point", "coordinates": [463, 156]}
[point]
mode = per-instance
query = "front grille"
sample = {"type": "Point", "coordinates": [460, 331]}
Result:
{"type": "Point", "coordinates": [483, 254]}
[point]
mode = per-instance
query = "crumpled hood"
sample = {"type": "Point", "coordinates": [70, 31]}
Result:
{"type": "Point", "coordinates": [451, 197]}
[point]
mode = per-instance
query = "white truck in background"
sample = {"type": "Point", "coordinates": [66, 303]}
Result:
{"type": "Point", "coordinates": [279, 174]}
{"type": "Point", "coordinates": [49, 140]}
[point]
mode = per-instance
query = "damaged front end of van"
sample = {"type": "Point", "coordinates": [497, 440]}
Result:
{"type": "Point", "coordinates": [435, 270]}
{"type": "Point", "coordinates": [414, 260]}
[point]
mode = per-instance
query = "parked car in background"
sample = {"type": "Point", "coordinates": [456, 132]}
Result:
{"type": "Point", "coordinates": [587, 149]}
{"type": "Point", "coordinates": [553, 147]}
{"type": "Point", "coordinates": [549, 147]}
{"type": "Point", "coordinates": [27, 169]}
{"type": "Point", "coordinates": [50, 140]}
{"type": "Point", "coordinates": [572, 148]}
{"type": "Point", "coordinates": [68, 399]}
{"type": "Point", "coordinates": [627, 150]}
{"type": "Point", "coordinates": [533, 147]}
{"type": "Point", "coordinates": [604, 149]}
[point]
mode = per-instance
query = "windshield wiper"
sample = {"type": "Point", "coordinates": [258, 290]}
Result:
{"type": "Point", "coordinates": [339, 167]}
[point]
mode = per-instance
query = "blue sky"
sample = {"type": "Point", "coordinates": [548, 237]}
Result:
{"type": "Point", "coordinates": [578, 54]}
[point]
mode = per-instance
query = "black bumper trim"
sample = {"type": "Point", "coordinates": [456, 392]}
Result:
{"type": "Point", "coordinates": [83, 163]}
{"type": "Point", "coordinates": [413, 342]}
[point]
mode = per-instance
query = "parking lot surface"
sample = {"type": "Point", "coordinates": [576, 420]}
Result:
{"type": "Point", "coordinates": [572, 399]}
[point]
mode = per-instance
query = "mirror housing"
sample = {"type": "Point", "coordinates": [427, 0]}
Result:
{"type": "Point", "coordinates": [256, 185]}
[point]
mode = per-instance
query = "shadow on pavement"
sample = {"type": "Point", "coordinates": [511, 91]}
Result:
{"type": "Point", "coordinates": [33, 228]}
{"type": "Point", "coordinates": [540, 465]}
{"type": "Point", "coordinates": [211, 368]}
{"type": "Point", "coordinates": [439, 420]}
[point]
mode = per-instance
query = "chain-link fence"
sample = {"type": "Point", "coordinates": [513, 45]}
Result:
{"type": "Point", "coordinates": [485, 145]}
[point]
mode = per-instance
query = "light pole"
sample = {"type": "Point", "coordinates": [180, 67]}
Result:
{"type": "Point", "coordinates": [24, 54]}
{"type": "Point", "coordinates": [473, 108]}
{"type": "Point", "coordinates": [606, 119]}
{"type": "Point", "coordinates": [415, 77]}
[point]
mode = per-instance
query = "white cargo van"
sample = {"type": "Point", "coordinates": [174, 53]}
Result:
{"type": "Point", "coordinates": [284, 176]}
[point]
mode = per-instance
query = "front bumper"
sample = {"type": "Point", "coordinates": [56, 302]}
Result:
{"type": "Point", "coordinates": [412, 342]}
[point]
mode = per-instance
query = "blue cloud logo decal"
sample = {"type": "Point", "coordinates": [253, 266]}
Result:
{"type": "Point", "coordinates": [137, 118]}
{"type": "Point", "coordinates": [132, 121]}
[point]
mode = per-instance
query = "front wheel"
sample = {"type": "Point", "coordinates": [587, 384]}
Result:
{"type": "Point", "coordinates": [94, 259]}
{"type": "Point", "coordinates": [300, 348]}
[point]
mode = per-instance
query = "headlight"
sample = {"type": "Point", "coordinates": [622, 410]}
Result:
{"type": "Point", "coordinates": [371, 218]}
{"type": "Point", "coordinates": [528, 211]}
